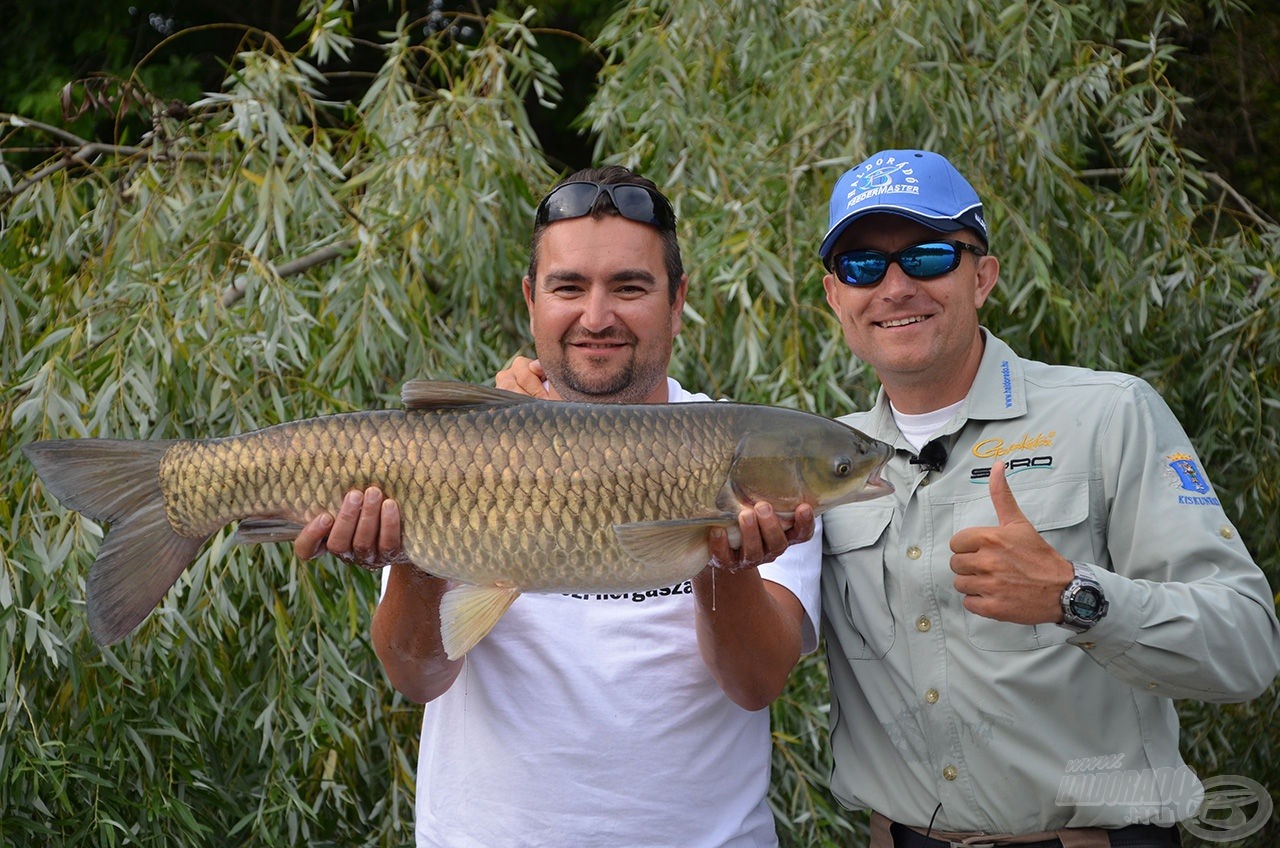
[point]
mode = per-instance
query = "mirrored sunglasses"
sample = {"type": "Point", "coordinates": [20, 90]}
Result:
{"type": "Point", "coordinates": [922, 261]}
{"type": "Point", "coordinates": [633, 202]}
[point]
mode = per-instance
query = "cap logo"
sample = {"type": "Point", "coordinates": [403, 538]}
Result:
{"type": "Point", "coordinates": [914, 184]}
{"type": "Point", "coordinates": [878, 179]}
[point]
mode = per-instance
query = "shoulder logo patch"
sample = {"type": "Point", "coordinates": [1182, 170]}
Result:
{"type": "Point", "coordinates": [1184, 474]}
{"type": "Point", "coordinates": [1188, 473]}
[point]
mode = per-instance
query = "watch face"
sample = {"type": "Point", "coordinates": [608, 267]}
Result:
{"type": "Point", "coordinates": [1086, 603]}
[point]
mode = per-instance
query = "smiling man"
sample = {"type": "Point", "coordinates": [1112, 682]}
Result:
{"type": "Point", "coordinates": [1052, 570]}
{"type": "Point", "coordinates": [603, 314]}
{"type": "Point", "coordinates": [633, 719]}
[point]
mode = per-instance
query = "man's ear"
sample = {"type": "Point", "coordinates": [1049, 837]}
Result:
{"type": "Point", "coordinates": [677, 306]}
{"type": "Point", "coordinates": [526, 287]}
{"type": "Point", "coordinates": [831, 285]}
{"type": "Point", "coordinates": [988, 276]}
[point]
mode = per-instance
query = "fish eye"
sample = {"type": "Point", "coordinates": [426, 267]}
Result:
{"type": "Point", "coordinates": [843, 466]}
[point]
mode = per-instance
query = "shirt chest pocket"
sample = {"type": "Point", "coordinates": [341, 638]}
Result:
{"type": "Point", "coordinates": [1060, 513]}
{"type": "Point", "coordinates": [853, 582]}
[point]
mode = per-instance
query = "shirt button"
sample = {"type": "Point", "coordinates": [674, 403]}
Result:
{"type": "Point", "coordinates": [923, 624]}
{"type": "Point", "coordinates": [950, 773]}
{"type": "Point", "coordinates": [1227, 532]}
{"type": "Point", "coordinates": [931, 696]}
{"type": "Point", "coordinates": [914, 552]}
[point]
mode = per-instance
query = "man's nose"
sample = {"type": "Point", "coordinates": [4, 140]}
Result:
{"type": "Point", "coordinates": [897, 283]}
{"type": "Point", "coordinates": [598, 312]}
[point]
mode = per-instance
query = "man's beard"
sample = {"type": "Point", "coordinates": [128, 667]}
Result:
{"type": "Point", "coordinates": [633, 383]}
{"type": "Point", "coordinates": [594, 388]}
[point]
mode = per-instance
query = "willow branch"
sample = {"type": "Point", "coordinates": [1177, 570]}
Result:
{"type": "Point", "coordinates": [58, 132]}
{"type": "Point", "coordinates": [296, 266]}
{"type": "Point", "coordinates": [1245, 206]}
{"type": "Point", "coordinates": [81, 150]}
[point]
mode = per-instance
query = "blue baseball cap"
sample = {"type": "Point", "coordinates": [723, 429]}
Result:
{"type": "Point", "coordinates": [915, 184]}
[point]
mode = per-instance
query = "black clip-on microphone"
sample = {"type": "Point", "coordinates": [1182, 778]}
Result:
{"type": "Point", "coordinates": [933, 456]}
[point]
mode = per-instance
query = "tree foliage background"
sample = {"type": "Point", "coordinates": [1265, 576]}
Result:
{"type": "Point", "coordinates": [294, 242]}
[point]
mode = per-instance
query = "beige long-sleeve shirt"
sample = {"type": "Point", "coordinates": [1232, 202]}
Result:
{"type": "Point", "coordinates": [1017, 728]}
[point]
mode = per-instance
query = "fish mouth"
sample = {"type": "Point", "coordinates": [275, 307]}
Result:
{"type": "Point", "coordinates": [876, 483]}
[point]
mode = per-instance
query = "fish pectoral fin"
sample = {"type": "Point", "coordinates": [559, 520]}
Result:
{"type": "Point", "coordinates": [676, 541]}
{"type": "Point", "coordinates": [468, 613]}
{"type": "Point", "coordinates": [442, 394]}
{"type": "Point", "coordinates": [259, 531]}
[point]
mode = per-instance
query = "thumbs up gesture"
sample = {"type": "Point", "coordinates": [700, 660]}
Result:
{"type": "Point", "coordinates": [1009, 572]}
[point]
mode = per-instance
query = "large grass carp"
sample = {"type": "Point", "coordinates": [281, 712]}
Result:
{"type": "Point", "coordinates": [498, 492]}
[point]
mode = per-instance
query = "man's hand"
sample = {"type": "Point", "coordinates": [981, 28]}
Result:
{"type": "Point", "coordinates": [750, 629]}
{"type": "Point", "coordinates": [764, 536]}
{"type": "Point", "coordinates": [366, 531]}
{"type": "Point", "coordinates": [525, 376]}
{"type": "Point", "coordinates": [1009, 572]}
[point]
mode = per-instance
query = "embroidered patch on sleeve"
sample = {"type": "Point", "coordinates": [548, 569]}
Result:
{"type": "Point", "coordinates": [1184, 474]}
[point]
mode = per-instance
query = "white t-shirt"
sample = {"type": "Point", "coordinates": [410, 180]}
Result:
{"type": "Point", "coordinates": [919, 428]}
{"type": "Point", "coordinates": [592, 721]}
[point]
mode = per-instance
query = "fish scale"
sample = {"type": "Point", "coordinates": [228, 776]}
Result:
{"type": "Point", "coordinates": [498, 492]}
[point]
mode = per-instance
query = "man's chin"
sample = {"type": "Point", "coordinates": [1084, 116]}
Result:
{"type": "Point", "coordinates": [590, 384]}
{"type": "Point", "coordinates": [596, 393]}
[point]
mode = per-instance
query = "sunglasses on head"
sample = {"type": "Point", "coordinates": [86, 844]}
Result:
{"type": "Point", "coordinates": [633, 202]}
{"type": "Point", "coordinates": [922, 261]}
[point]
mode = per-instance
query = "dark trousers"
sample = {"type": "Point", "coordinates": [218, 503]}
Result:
{"type": "Point", "coordinates": [1134, 836]}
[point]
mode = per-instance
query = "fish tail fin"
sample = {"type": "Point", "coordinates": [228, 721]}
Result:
{"type": "Point", "coordinates": [118, 482]}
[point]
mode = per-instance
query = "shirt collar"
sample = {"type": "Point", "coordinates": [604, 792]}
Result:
{"type": "Point", "coordinates": [999, 390]}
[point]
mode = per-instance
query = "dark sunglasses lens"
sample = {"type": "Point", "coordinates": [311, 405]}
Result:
{"type": "Point", "coordinates": [923, 261]}
{"type": "Point", "coordinates": [574, 200]}
{"type": "Point", "coordinates": [571, 200]}
{"type": "Point", "coordinates": [635, 203]}
{"type": "Point", "coordinates": [861, 267]}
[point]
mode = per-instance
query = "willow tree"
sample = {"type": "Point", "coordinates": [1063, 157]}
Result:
{"type": "Point", "coordinates": [265, 253]}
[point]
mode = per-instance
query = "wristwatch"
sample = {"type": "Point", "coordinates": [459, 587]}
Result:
{"type": "Point", "coordinates": [1083, 604]}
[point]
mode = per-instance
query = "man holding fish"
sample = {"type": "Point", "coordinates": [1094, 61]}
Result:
{"type": "Point", "coordinates": [587, 718]}
{"type": "Point", "coordinates": [633, 676]}
{"type": "Point", "coordinates": [1007, 633]}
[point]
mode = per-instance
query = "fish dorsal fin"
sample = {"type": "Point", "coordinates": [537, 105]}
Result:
{"type": "Point", "coordinates": [665, 543]}
{"type": "Point", "coordinates": [443, 394]}
{"type": "Point", "coordinates": [468, 613]}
